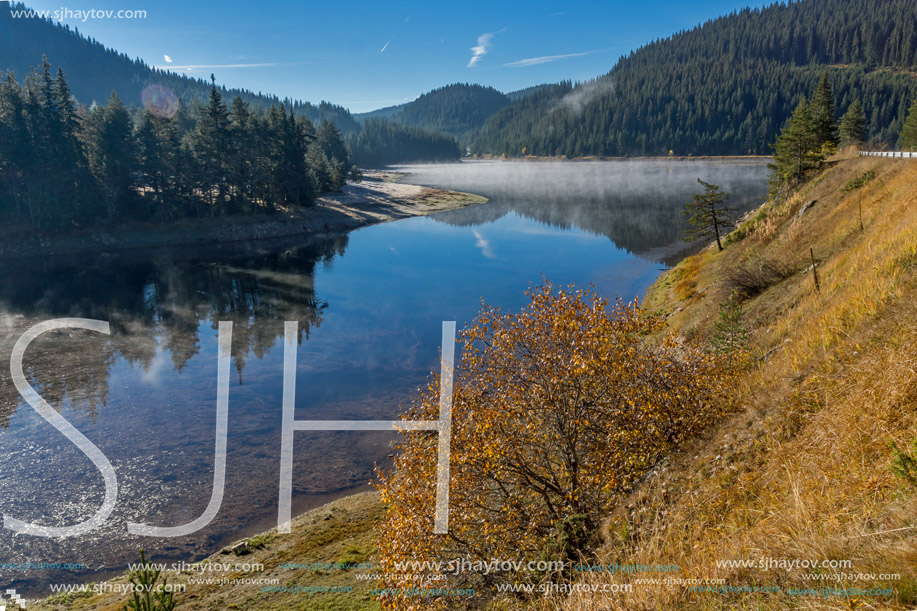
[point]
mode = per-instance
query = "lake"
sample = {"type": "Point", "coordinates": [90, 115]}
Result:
{"type": "Point", "coordinates": [369, 305]}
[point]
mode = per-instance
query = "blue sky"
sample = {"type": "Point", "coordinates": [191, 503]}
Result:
{"type": "Point", "coordinates": [366, 55]}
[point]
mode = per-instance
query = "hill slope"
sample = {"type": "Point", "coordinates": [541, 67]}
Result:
{"type": "Point", "coordinates": [804, 470]}
{"type": "Point", "coordinates": [727, 86]}
{"type": "Point", "coordinates": [94, 70]}
{"type": "Point", "coordinates": [455, 109]}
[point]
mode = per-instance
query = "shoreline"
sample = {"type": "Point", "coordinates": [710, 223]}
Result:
{"type": "Point", "coordinates": [378, 198]}
{"type": "Point", "coordinates": [655, 158]}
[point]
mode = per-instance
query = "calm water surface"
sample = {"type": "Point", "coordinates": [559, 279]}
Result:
{"type": "Point", "coordinates": [370, 306]}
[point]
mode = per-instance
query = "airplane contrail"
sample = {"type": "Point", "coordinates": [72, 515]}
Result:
{"type": "Point", "coordinates": [406, 19]}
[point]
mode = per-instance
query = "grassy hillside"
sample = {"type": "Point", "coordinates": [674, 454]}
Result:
{"type": "Point", "coordinates": [315, 567]}
{"type": "Point", "coordinates": [804, 469]}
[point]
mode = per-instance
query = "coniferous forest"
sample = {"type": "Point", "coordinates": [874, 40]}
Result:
{"type": "Point", "coordinates": [726, 87]}
{"type": "Point", "coordinates": [63, 164]}
{"type": "Point", "coordinates": [382, 141]}
{"type": "Point", "coordinates": [455, 109]}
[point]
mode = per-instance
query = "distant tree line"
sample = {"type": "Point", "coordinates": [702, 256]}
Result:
{"type": "Point", "coordinates": [725, 87]}
{"type": "Point", "coordinates": [382, 142]}
{"type": "Point", "coordinates": [62, 164]}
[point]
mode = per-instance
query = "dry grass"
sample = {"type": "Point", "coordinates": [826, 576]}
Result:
{"type": "Point", "coordinates": [803, 471]}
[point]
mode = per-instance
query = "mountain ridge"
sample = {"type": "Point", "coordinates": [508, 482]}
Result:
{"type": "Point", "coordinates": [95, 70]}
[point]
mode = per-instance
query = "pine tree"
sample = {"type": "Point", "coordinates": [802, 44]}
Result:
{"type": "Point", "coordinates": [241, 154]}
{"type": "Point", "coordinates": [113, 156]}
{"type": "Point", "coordinates": [16, 153]}
{"type": "Point", "coordinates": [707, 217]}
{"type": "Point", "coordinates": [332, 144]}
{"type": "Point", "coordinates": [729, 333]}
{"type": "Point", "coordinates": [319, 167]}
{"type": "Point", "coordinates": [823, 113]}
{"type": "Point", "coordinates": [154, 162]}
{"type": "Point", "coordinates": [853, 125]}
{"type": "Point", "coordinates": [59, 183]}
{"type": "Point", "coordinates": [797, 150]}
{"type": "Point", "coordinates": [212, 148]}
{"type": "Point", "coordinates": [908, 139]}
{"type": "Point", "coordinates": [290, 179]}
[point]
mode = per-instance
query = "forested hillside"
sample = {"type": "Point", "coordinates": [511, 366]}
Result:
{"type": "Point", "coordinates": [457, 110]}
{"type": "Point", "coordinates": [726, 87]}
{"type": "Point", "coordinates": [94, 71]}
{"type": "Point", "coordinates": [454, 109]}
{"type": "Point", "coordinates": [383, 142]}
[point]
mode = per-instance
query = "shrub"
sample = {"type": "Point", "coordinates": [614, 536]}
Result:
{"type": "Point", "coordinates": [749, 278]}
{"type": "Point", "coordinates": [730, 335]}
{"type": "Point", "coordinates": [904, 464]}
{"type": "Point", "coordinates": [148, 594]}
{"type": "Point", "coordinates": [859, 181]}
{"type": "Point", "coordinates": [558, 411]}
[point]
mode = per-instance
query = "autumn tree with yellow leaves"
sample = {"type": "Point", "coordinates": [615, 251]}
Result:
{"type": "Point", "coordinates": [558, 410]}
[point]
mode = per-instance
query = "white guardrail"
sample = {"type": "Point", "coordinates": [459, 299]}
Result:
{"type": "Point", "coordinates": [895, 154]}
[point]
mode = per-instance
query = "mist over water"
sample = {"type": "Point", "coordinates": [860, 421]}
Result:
{"type": "Point", "coordinates": [369, 306]}
{"type": "Point", "coordinates": [637, 204]}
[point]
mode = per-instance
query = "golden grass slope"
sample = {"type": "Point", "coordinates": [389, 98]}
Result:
{"type": "Point", "coordinates": [802, 472]}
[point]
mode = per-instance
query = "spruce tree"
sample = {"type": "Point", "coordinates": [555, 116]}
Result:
{"type": "Point", "coordinates": [853, 125]}
{"type": "Point", "coordinates": [332, 144]}
{"type": "Point", "coordinates": [823, 112]}
{"type": "Point", "coordinates": [908, 139]}
{"type": "Point", "coordinates": [242, 152]}
{"type": "Point", "coordinates": [151, 162]}
{"type": "Point", "coordinates": [319, 167]}
{"type": "Point", "coordinates": [211, 148]}
{"type": "Point", "coordinates": [797, 150]}
{"type": "Point", "coordinates": [113, 157]}
{"type": "Point", "coordinates": [15, 145]}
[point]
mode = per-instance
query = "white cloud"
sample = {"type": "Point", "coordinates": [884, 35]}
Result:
{"type": "Point", "coordinates": [480, 50]}
{"type": "Point", "coordinates": [167, 58]}
{"type": "Point", "coordinates": [545, 59]}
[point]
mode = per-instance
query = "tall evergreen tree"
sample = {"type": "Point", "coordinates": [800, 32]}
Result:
{"type": "Point", "coordinates": [329, 140]}
{"type": "Point", "coordinates": [853, 125]}
{"type": "Point", "coordinates": [212, 148]}
{"type": "Point", "coordinates": [798, 149]}
{"type": "Point", "coordinates": [908, 139]}
{"type": "Point", "coordinates": [16, 154]}
{"type": "Point", "coordinates": [319, 167]}
{"type": "Point", "coordinates": [823, 113]}
{"type": "Point", "coordinates": [242, 153]}
{"type": "Point", "coordinates": [113, 156]}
